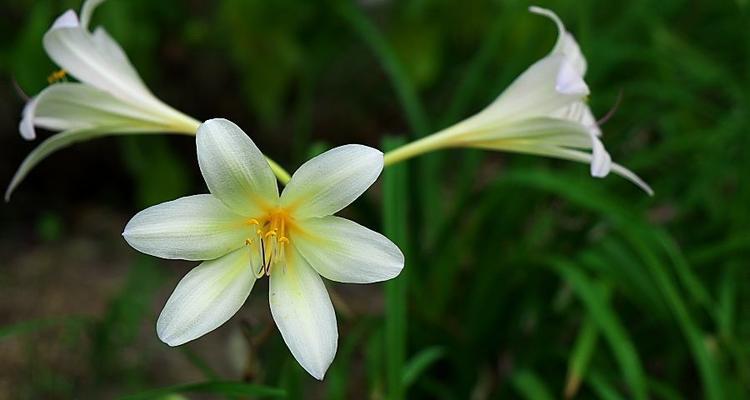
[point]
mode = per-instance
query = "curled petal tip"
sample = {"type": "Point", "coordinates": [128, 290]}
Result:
{"type": "Point", "coordinates": [26, 126]}
{"type": "Point", "coordinates": [549, 14]}
{"type": "Point", "coordinates": [538, 10]}
{"type": "Point", "coordinates": [69, 19]}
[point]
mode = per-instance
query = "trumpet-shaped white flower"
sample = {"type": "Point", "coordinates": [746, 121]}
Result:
{"type": "Point", "coordinates": [244, 230]}
{"type": "Point", "coordinates": [110, 97]}
{"type": "Point", "coordinates": [542, 112]}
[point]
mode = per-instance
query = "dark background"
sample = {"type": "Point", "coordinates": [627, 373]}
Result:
{"type": "Point", "coordinates": [525, 275]}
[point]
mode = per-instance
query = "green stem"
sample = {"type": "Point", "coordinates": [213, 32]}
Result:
{"type": "Point", "coordinates": [395, 188]}
{"type": "Point", "coordinates": [420, 146]}
{"type": "Point", "coordinates": [279, 171]}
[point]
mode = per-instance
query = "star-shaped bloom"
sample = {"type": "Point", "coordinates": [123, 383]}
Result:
{"type": "Point", "coordinates": [543, 112]}
{"type": "Point", "coordinates": [244, 230]}
{"type": "Point", "coordinates": [109, 97]}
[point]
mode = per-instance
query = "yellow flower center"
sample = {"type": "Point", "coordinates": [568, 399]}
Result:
{"type": "Point", "coordinates": [269, 240]}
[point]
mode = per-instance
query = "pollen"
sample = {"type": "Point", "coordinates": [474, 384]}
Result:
{"type": "Point", "coordinates": [57, 76]}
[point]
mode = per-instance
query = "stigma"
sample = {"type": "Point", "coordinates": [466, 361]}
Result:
{"type": "Point", "coordinates": [268, 243]}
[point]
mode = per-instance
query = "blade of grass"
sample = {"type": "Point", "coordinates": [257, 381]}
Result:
{"type": "Point", "coordinates": [24, 327]}
{"type": "Point", "coordinates": [375, 362]}
{"type": "Point", "coordinates": [684, 271]}
{"type": "Point", "coordinates": [583, 351]}
{"type": "Point", "coordinates": [383, 51]}
{"type": "Point", "coordinates": [339, 376]}
{"type": "Point", "coordinates": [634, 231]}
{"type": "Point", "coordinates": [530, 386]}
{"type": "Point", "coordinates": [662, 391]}
{"type": "Point", "coordinates": [594, 299]}
{"type": "Point", "coordinates": [420, 362]}
{"type": "Point", "coordinates": [429, 165]}
{"type": "Point", "coordinates": [707, 366]}
{"type": "Point", "coordinates": [212, 387]}
{"type": "Point", "coordinates": [199, 363]}
{"type": "Point", "coordinates": [470, 82]}
{"type": "Point", "coordinates": [395, 188]}
{"type": "Point", "coordinates": [601, 386]}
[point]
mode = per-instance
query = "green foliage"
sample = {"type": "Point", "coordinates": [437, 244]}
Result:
{"type": "Point", "coordinates": [527, 278]}
{"type": "Point", "coordinates": [217, 387]}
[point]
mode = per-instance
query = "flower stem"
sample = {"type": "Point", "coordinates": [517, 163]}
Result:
{"type": "Point", "coordinates": [279, 171]}
{"type": "Point", "coordinates": [415, 148]}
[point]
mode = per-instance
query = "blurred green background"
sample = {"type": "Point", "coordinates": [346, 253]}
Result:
{"type": "Point", "coordinates": [525, 277]}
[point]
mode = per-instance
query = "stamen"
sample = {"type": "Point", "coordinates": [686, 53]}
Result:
{"type": "Point", "coordinates": [270, 237]}
{"type": "Point", "coordinates": [612, 110]}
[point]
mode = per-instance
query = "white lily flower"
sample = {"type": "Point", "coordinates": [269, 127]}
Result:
{"type": "Point", "coordinates": [542, 112]}
{"type": "Point", "coordinates": [244, 230]}
{"type": "Point", "coordinates": [110, 97]}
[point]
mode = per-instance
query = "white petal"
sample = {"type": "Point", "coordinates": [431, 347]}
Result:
{"type": "Point", "coordinates": [601, 162]}
{"type": "Point", "coordinates": [108, 46]}
{"type": "Point", "coordinates": [26, 126]}
{"type": "Point", "coordinates": [551, 15]}
{"type": "Point", "coordinates": [570, 82]}
{"type": "Point", "coordinates": [304, 314]}
{"type": "Point", "coordinates": [344, 251]}
{"type": "Point", "coordinates": [64, 139]}
{"type": "Point", "coordinates": [234, 169]}
{"type": "Point", "coordinates": [65, 106]}
{"type": "Point", "coordinates": [580, 156]}
{"type": "Point", "coordinates": [196, 227]}
{"type": "Point", "coordinates": [632, 177]}
{"type": "Point", "coordinates": [332, 180]}
{"type": "Point", "coordinates": [543, 131]}
{"type": "Point", "coordinates": [581, 113]}
{"type": "Point", "coordinates": [566, 44]}
{"type": "Point", "coordinates": [87, 10]}
{"type": "Point", "coordinates": [588, 120]}
{"type": "Point", "coordinates": [534, 93]}
{"type": "Point", "coordinates": [206, 298]}
{"type": "Point", "coordinates": [75, 50]}
{"type": "Point", "coordinates": [68, 19]}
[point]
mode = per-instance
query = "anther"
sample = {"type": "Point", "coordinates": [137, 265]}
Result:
{"type": "Point", "coordinates": [56, 76]}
